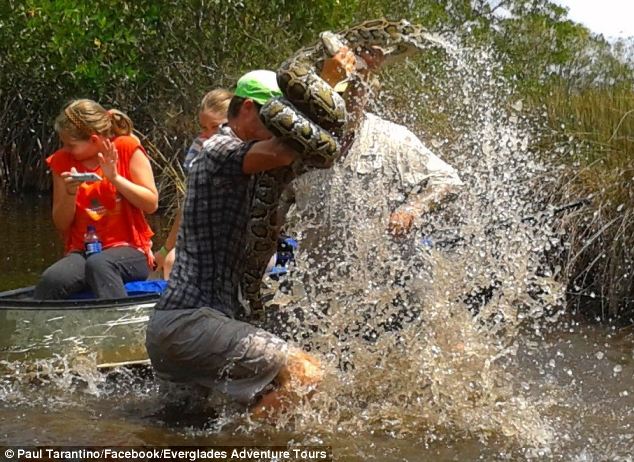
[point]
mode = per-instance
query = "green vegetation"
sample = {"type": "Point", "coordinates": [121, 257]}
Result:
{"type": "Point", "coordinates": [154, 59]}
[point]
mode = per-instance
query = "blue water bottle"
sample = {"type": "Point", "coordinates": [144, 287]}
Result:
{"type": "Point", "coordinates": [92, 244]}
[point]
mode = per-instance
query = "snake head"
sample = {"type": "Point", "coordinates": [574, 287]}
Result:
{"type": "Point", "coordinates": [332, 42]}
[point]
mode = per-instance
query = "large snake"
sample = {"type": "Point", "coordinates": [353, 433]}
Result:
{"type": "Point", "coordinates": [311, 118]}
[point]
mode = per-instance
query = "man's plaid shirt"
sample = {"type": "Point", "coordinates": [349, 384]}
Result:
{"type": "Point", "coordinates": [211, 243]}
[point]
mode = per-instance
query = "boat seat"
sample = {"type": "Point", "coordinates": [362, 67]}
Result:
{"type": "Point", "coordinates": [158, 286]}
{"type": "Point", "coordinates": [151, 286]}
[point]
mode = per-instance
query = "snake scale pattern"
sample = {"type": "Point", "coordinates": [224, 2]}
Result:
{"type": "Point", "coordinates": [311, 117]}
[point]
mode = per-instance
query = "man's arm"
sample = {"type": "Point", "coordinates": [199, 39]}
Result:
{"type": "Point", "coordinates": [273, 153]}
{"type": "Point", "coordinates": [403, 218]}
{"type": "Point", "coordinates": [267, 155]}
{"type": "Point", "coordinates": [431, 180]}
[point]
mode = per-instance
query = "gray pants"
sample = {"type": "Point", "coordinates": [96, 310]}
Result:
{"type": "Point", "coordinates": [207, 348]}
{"type": "Point", "coordinates": [104, 273]}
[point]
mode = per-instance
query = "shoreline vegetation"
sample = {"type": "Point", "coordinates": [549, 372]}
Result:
{"type": "Point", "coordinates": [153, 61]}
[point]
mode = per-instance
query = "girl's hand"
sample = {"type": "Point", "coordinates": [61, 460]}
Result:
{"type": "Point", "coordinates": [108, 160]}
{"type": "Point", "coordinates": [70, 184]}
{"type": "Point", "coordinates": [159, 258]}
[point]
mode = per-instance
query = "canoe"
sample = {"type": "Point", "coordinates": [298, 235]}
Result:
{"type": "Point", "coordinates": [107, 331]}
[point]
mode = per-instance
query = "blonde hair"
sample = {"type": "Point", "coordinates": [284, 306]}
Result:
{"type": "Point", "coordinates": [216, 101]}
{"type": "Point", "coordinates": [84, 117]}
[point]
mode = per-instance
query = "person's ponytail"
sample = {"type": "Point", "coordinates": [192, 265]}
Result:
{"type": "Point", "coordinates": [121, 123]}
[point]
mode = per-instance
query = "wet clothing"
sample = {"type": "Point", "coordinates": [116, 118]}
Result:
{"type": "Point", "coordinates": [386, 166]}
{"type": "Point", "coordinates": [117, 221]}
{"type": "Point", "coordinates": [210, 247]}
{"type": "Point", "coordinates": [394, 151]}
{"type": "Point", "coordinates": [104, 273]}
{"type": "Point", "coordinates": [385, 158]}
{"type": "Point", "coordinates": [193, 334]}
{"type": "Point", "coordinates": [206, 347]}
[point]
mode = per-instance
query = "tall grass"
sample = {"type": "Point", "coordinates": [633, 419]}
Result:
{"type": "Point", "coordinates": [598, 126]}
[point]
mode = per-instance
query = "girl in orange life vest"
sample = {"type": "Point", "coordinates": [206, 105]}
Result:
{"type": "Point", "coordinates": [99, 141]}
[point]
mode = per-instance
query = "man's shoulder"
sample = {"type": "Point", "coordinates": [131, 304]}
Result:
{"type": "Point", "coordinates": [220, 144]}
{"type": "Point", "coordinates": [413, 159]}
{"type": "Point", "coordinates": [375, 124]}
{"type": "Point", "coordinates": [223, 152]}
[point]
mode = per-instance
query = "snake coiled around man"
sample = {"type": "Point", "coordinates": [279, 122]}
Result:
{"type": "Point", "coordinates": [311, 117]}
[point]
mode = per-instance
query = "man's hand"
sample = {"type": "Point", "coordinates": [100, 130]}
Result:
{"type": "Point", "coordinates": [401, 221]}
{"type": "Point", "coordinates": [339, 67]}
{"type": "Point", "coordinates": [373, 58]}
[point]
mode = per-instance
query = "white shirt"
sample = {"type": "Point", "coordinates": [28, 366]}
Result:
{"type": "Point", "coordinates": [382, 146]}
{"type": "Point", "coordinates": [385, 166]}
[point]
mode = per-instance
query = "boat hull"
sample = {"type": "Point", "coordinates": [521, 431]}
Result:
{"type": "Point", "coordinates": [108, 331]}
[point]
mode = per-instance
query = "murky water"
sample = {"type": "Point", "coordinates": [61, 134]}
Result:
{"type": "Point", "coordinates": [577, 380]}
{"type": "Point", "coordinates": [458, 351]}
{"type": "Point", "coordinates": [28, 240]}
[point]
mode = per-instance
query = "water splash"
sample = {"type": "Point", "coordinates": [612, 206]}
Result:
{"type": "Point", "coordinates": [421, 342]}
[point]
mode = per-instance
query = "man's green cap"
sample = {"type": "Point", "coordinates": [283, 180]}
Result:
{"type": "Point", "coordinates": [260, 86]}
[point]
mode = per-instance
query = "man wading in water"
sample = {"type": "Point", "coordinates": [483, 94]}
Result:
{"type": "Point", "coordinates": [194, 335]}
